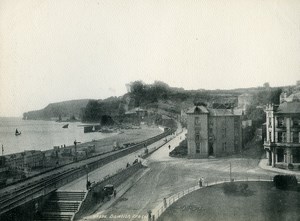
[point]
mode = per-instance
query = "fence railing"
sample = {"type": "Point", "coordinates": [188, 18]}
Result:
{"type": "Point", "coordinates": [169, 200]}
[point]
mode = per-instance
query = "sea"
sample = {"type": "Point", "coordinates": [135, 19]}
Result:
{"type": "Point", "coordinates": [41, 135]}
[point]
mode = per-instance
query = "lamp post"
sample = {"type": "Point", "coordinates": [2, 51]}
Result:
{"type": "Point", "coordinates": [87, 177]}
{"type": "Point", "coordinates": [75, 145]}
{"type": "Point", "coordinates": [230, 172]}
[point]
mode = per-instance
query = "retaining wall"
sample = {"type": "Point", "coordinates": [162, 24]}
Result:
{"type": "Point", "coordinates": [90, 203]}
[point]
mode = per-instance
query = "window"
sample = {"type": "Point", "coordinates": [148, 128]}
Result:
{"type": "Point", "coordinates": [224, 132]}
{"type": "Point", "coordinates": [236, 122]}
{"type": "Point", "coordinates": [211, 127]}
{"type": "Point", "coordinates": [296, 156]}
{"type": "Point", "coordinates": [197, 147]}
{"type": "Point", "coordinates": [236, 145]}
{"type": "Point", "coordinates": [224, 146]}
{"type": "Point", "coordinates": [280, 155]}
{"type": "Point", "coordinates": [280, 122]}
{"type": "Point", "coordinates": [236, 132]}
{"type": "Point", "coordinates": [296, 122]}
{"type": "Point", "coordinates": [281, 137]}
{"type": "Point", "coordinates": [197, 121]}
{"type": "Point", "coordinates": [295, 136]}
{"type": "Point", "coordinates": [197, 136]}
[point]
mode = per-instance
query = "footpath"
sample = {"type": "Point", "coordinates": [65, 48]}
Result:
{"type": "Point", "coordinates": [110, 168]}
{"type": "Point", "coordinates": [263, 165]}
{"type": "Point", "coordinates": [131, 181]}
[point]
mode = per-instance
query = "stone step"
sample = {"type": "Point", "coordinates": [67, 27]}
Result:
{"type": "Point", "coordinates": [54, 217]}
{"type": "Point", "coordinates": [68, 196]}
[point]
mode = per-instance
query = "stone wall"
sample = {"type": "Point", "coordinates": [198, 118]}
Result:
{"type": "Point", "coordinates": [89, 203]}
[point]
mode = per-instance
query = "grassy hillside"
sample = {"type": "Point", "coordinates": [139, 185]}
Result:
{"type": "Point", "coordinates": [158, 97]}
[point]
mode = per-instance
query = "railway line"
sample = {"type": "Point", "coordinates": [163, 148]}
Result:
{"type": "Point", "coordinates": [41, 185]}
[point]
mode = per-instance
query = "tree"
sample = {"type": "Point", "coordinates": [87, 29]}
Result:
{"type": "Point", "coordinates": [266, 85]}
{"type": "Point", "coordinates": [93, 111]}
{"type": "Point", "coordinates": [106, 120]}
{"type": "Point", "coordinates": [137, 89]}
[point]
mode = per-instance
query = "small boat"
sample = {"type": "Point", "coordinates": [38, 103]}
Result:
{"type": "Point", "coordinates": [17, 133]}
{"type": "Point", "coordinates": [66, 126]}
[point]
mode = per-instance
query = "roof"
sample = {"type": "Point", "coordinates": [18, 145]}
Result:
{"type": "Point", "coordinates": [139, 109]}
{"type": "Point", "coordinates": [289, 108]}
{"type": "Point", "coordinates": [135, 110]}
{"type": "Point", "coordinates": [197, 110]}
{"type": "Point", "coordinates": [246, 95]}
{"type": "Point", "coordinates": [214, 112]}
{"type": "Point", "coordinates": [294, 97]}
{"type": "Point", "coordinates": [130, 112]}
{"type": "Point", "coordinates": [164, 117]}
{"type": "Point", "coordinates": [221, 112]}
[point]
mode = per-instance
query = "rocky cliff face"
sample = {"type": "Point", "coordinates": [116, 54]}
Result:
{"type": "Point", "coordinates": [64, 110]}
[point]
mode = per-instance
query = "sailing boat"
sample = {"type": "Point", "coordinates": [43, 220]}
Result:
{"type": "Point", "coordinates": [66, 126]}
{"type": "Point", "coordinates": [17, 133]}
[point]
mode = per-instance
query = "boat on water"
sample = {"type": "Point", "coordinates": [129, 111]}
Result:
{"type": "Point", "coordinates": [17, 133]}
{"type": "Point", "coordinates": [66, 126]}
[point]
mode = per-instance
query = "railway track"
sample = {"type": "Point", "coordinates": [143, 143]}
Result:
{"type": "Point", "coordinates": [11, 198]}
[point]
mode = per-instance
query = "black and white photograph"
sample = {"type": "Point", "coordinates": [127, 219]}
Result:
{"type": "Point", "coordinates": [150, 110]}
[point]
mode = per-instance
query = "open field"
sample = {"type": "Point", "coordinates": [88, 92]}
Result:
{"type": "Point", "coordinates": [262, 201]}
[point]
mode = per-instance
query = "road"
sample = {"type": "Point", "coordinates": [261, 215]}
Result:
{"type": "Point", "coordinates": [109, 169]}
{"type": "Point", "coordinates": [20, 193]}
{"type": "Point", "coordinates": [167, 176]}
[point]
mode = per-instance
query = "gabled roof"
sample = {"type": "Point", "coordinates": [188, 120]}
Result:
{"type": "Point", "coordinates": [197, 110]}
{"type": "Point", "coordinates": [289, 108]}
{"type": "Point", "coordinates": [135, 110]}
{"type": "Point", "coordinates": [221, 112]}
{"type": "Point", "coordinates": [294, 97]}
{"type": "Point", "coordinates": [130, 112]}
{"type": "Point", "coordinates": [214, 112]}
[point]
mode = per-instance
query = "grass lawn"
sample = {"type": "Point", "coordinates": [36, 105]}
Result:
{"type": "Point", "coordinates": [261, 202]}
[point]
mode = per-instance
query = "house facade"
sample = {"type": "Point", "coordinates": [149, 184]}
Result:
{"type": "Point", "coordinates": [282, 143]}
{"type": "Point", "coordinates": [213, 132]}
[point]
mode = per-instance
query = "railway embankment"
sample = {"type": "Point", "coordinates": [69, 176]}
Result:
{"type": "Point", "coordinates": [42, 185]}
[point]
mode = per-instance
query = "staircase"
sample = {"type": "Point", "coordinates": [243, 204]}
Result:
{"type": "Point", "coordinates": [61, 206]}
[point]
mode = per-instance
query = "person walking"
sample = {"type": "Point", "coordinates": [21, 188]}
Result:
{"type": "Point", "coordinates": [165, 203]}
{"type": "Point", "coordinates": [115, 193]}
{"type": "Point", "coordinates": [200, 182]}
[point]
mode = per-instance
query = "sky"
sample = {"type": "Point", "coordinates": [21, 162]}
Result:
{"type": "Point", "coordinates": [53, 51]}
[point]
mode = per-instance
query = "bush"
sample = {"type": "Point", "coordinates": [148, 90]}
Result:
{"type": "Point", "coordinates": [181, 150]}
{"type": "Point", "coordinates": [243, 187]}
{"type": "Point", "coordinates": [230, 187]}
{"type": "Point", "coordinates": [285, 181]}
{"type": "Point", "coordinates": [290, 166]}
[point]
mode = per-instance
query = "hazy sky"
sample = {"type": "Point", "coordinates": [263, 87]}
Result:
{"type": "Point", "coordinates": [70, 49]}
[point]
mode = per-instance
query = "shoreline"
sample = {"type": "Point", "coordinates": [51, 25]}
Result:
{"type": "Point", "coordinates": [55, 158]}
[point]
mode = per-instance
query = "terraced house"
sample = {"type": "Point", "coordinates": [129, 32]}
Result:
{"type": "Point", "coordinates": [282, 143]}
{"type": "Point", "coordinates": [213, 132]}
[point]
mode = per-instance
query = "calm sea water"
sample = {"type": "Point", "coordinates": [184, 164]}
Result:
{"type": "Point", "coordinates": [40, 135]}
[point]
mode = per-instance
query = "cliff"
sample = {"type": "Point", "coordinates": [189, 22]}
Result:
{"type": "Point", "coordinates": [64, 110]}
